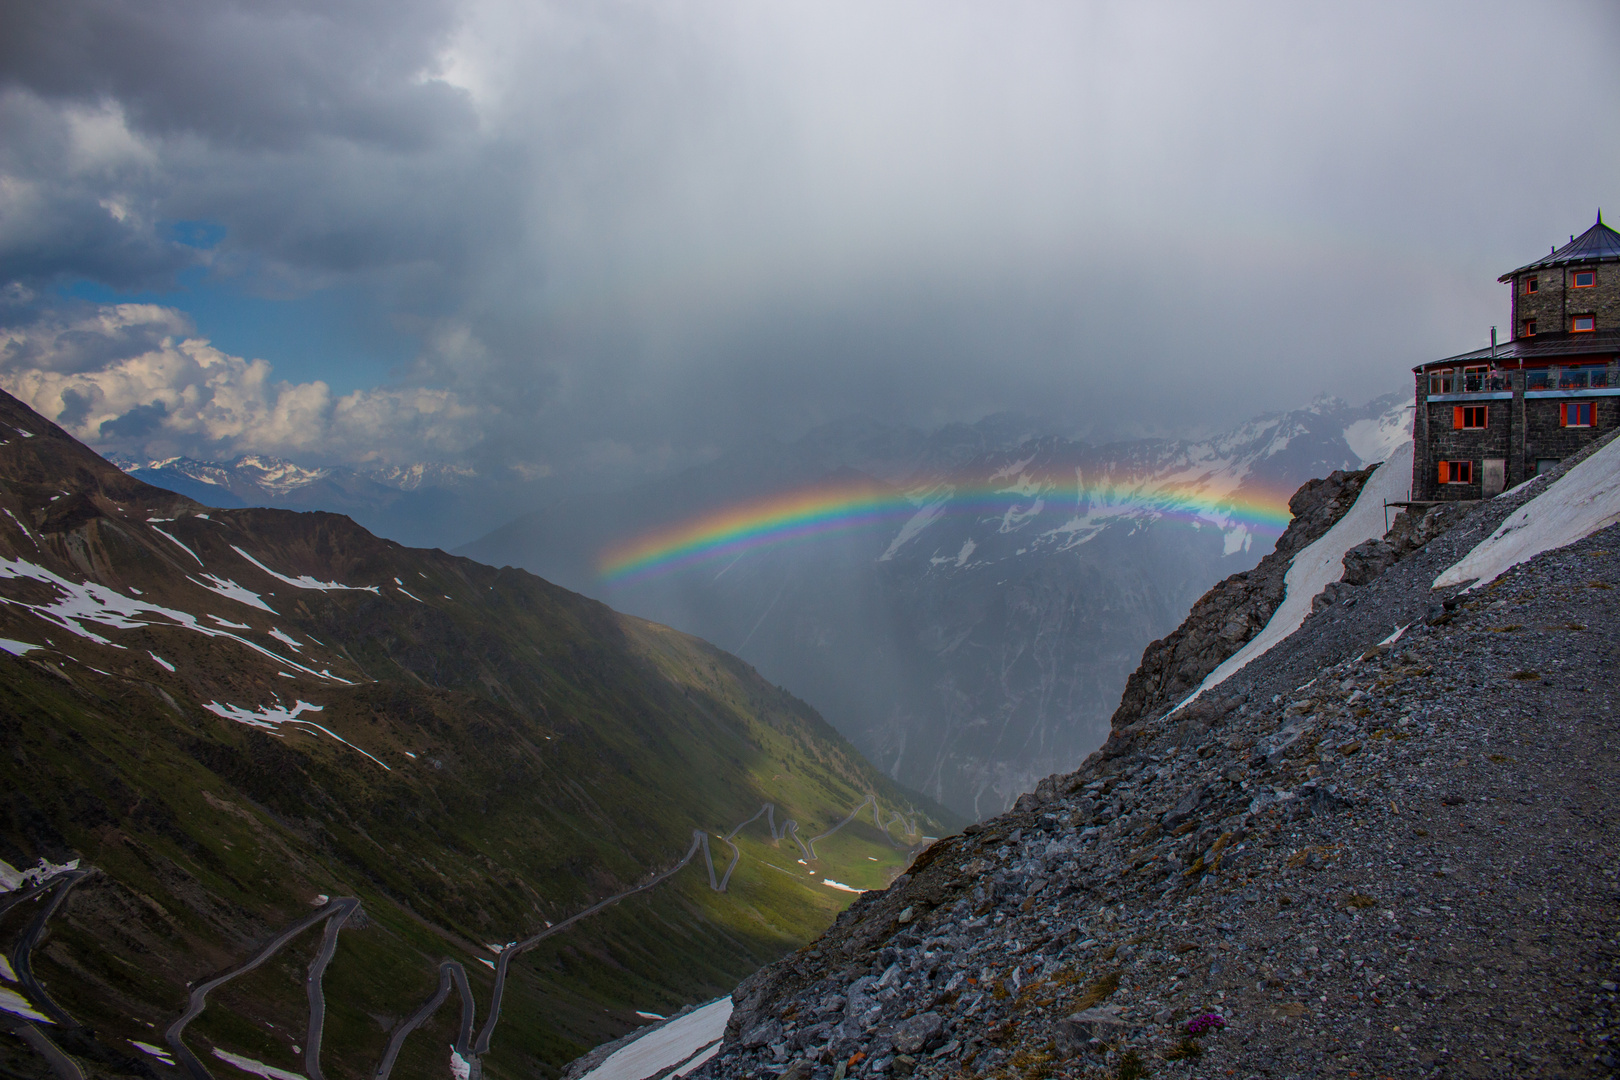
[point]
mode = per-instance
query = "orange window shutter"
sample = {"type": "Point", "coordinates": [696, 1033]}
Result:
{"type": "Point", "coordinates": [1484, 416]}
{"type": "Point", "coordinates": [1444, 471]}
{"type": "Point", "coordinates": [1456, 416]}
{"type": "Point", "coordinates": [1563, 416]}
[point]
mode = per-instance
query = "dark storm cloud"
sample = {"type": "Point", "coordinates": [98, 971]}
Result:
{"type": "Point", "coordinates": [274, 73]}
{"type": "Point", "coordinates": [626, 232]}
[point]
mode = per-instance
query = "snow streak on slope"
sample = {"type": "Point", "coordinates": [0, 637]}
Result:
{"type": "Point", "coordinates": [1582, 501]}
{"type": "Point", "coordinates": [1322, 563]}
{"type": "Point", "coordinates": [304, 581]}
{"type": "Point", "coordinates": [670, 1045]}
{"type": "Point", "coordinates": [271, 717]}
{"type": "Point", "coordinates": [88, 602]}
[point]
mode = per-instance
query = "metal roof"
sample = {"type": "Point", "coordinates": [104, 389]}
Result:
{"type": "Point", "coordinates": [1597, 244]}
{"type": "Point", "coordinates": [1538, 349]}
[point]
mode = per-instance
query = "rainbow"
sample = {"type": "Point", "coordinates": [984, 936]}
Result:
{"type": "Point", "coordinates": [844, 506]}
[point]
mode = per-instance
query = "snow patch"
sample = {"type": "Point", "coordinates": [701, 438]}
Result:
{"type": "Point", "coordinates": [17, 1005]}
{"type": "Point", "coordinates": [257, 1068]}
{"type": "Point", "coordinates": [1582, 501]}
{"type": "Point", "coordinates": [167, 536]}
{"type": "Point", "coordinates": [1321, 563]}
{"type": "Point", "coordinates": [16, 648]}
{"type": "Point", "coordinates": [1376, 438]}
{"type": "Point", "coordinates": [272, 717]}
{"type": "Point", "coordinates": [674, 1044]}
{"type": "Point", "coordinates": [24, 529]}
{"type": "Point", "coordinates": [304, 581]}
{"type": "Point", "coordinates": [12, 879]}
{"type": "Point", "coordinates": [460, 1067]}
{"type": "Point", "coordinates": [1236, 540]}
{"type": "Point", "coordinates": [161, 662]}
{"type": "Point", "coordinates": [839, 885]}
{"type": "Point", "coordinates": [89, 602]}
{"type": "Point", "coordinates": [157, 1052]}
{"type": "Point", "coordinates": [915, 524]}
{"type": "Point", "coordinates": [232, 625]}
{"type": "Point", "coordinates": [649, 1015]}
{"type": "Point", "coordinates": [7, 972]}
{"type": "Point", "coordinates": [285, 639]}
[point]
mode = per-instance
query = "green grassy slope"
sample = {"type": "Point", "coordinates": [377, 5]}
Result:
{"type": "Point", "coordinates": [511, 753]}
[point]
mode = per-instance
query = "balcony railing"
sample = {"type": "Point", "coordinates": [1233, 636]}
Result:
{"type": "Point", "coordinates": [1588, 377]}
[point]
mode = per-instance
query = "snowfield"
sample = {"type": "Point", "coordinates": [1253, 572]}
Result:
{"type": "Point", "coordinates": [1322, 563]}
{"type": "Point", "coordinates": [1582, 501]}
{"type": "Point", "coordinates": [676, 1043]}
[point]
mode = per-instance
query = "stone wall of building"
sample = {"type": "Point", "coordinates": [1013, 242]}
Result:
{"type": "Point", "coordinates": [1545, 437]}
{"type": "Point", "coordinates": [1450, 443]}
{"type": "Point", "coordinates": [1520, 430]}
{"type": "Point", "coordinates": [1555, 302]}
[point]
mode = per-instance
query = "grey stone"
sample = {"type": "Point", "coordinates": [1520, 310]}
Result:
{"type": "Point", "coordinates": [1073, 1033]}
{"type": "Point", "coordinates": [1366, 561]}
{"type": "Point", "coordinates": [919, 1033]}
{"type": "Point", "coordinates": [762, 1035]}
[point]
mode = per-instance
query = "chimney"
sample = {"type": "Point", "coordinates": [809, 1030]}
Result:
{"type": "Point", "coordinates": [1493, 343]}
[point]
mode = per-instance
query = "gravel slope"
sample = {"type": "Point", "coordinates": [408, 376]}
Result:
{"type": "Point", "coordinates": [1359, 859]}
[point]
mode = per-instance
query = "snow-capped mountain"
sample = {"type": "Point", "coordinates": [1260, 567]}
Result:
{"type": "Point", "coordinates": [980, 639]}
{"type": "Point", "coordinates": [425, 503]}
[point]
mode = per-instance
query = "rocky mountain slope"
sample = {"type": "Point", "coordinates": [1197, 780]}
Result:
{"type": "Point", "coordinates": [227, 731]}
{"type": "Point", "coordinates": [1382, 848]}
{"type": "Point", "coordinates": [971, 646]}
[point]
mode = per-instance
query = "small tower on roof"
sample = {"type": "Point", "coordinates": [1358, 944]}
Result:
{"type": "Point", "coordinates": [1567, 292]}
{"type": "Point", "coordinates": [1492, 418]}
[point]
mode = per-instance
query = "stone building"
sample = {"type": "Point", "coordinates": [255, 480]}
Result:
{"type": "Point", "coordinates": [1490, 419]}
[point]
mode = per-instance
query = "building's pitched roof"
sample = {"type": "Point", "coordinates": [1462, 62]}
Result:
{"type": "Point", "coordinates": [1597, 244]}
{"type": "Point", "coordinates": [1538, 349]}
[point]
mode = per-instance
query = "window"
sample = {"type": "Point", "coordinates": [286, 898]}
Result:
{"type": "Point", "coordinates": [1456, 472]}
{"type": "Point", "coordinates": [1442, 381]}
{"type": "Point", "coordinates": [1545, 465]}
{"type": "Point", "coordinates": [1468, 417]}
{"type": "Point", "coordinates": [1583, 324]}
{"type": "Point", "coordinates": [1585, 279]}
{"type": "Point", "coordinates": [1532, 284]}
{"type": "Point", "coordinates": [1575, 414]}
{"type": "Point", "coordinates": [1538, 380]}
{"type": "Point", "coordinates": [1529, 328]}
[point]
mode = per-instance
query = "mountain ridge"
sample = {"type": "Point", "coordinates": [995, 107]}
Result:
{"type": "Point", "coordinates": [228, 713]}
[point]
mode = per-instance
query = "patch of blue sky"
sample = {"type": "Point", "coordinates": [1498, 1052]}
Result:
{"type": "Point", "coordinates": [333, 334]}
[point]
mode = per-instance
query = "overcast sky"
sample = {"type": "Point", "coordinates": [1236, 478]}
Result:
{"type": "Point", "coordinates": [571, 236]}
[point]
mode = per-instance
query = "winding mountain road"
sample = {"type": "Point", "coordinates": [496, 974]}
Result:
{"type": "Point", "coordinates": [335, 914]}
{"type": "Point", "coordinates": [22, 964]}
{"type": "Point", "coordinates": [341, 908]}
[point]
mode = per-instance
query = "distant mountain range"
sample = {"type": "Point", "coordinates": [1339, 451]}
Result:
{"type": "Point", "coordinates": [426, 503]}
{"type": "Point", "coordinates": [979, 639]}
{"type": "Point", "coordinates": [223, 725]}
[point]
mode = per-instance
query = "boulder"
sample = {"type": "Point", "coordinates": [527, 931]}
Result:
{"type": "Point", "coordinates": [1367, 560]}
{"type": "Point", "coordinates": [922, 1032]}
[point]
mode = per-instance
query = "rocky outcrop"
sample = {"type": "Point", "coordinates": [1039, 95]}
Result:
{"type": "Point", "coordinates": [1231, 613]}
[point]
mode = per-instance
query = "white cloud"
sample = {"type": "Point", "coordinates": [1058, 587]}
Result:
{"type": "Point", "coordinates": [132, 377]}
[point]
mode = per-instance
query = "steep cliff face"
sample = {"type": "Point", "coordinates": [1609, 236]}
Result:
{"type": "Point", "coordinates": [1237, 609]}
